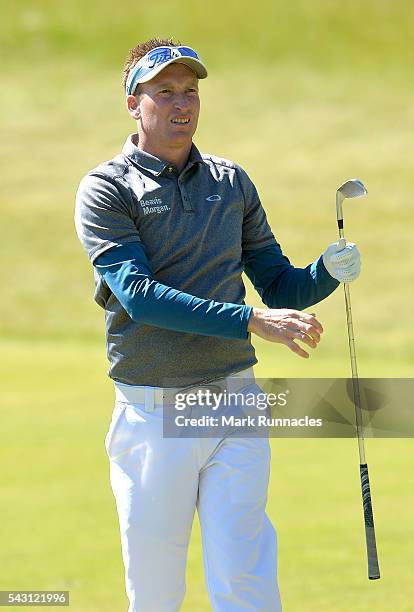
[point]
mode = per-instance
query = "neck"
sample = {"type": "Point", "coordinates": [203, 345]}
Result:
{"type": "Point", "coordinates": [177, 156]}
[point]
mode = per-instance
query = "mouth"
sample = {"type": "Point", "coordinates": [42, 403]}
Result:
{"type": "Point", "coordinates": [181, 121]}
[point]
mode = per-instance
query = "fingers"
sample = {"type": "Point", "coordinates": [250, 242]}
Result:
{"type": "Point", "coordinates": [346, 255]}
{"type": "Point", "coordinates": [341, 244]}
{"type": "Point", "coordinates": [308, 319]}
{"type": "Point", "coordinates": [343, 261]}
{"type": "Point", "coordinates": [306, 328]}
{"type": "Point", "coordinates": [311, 337]}
{"type": "Point", "coordinates": [287, 326]}
{"type": "Point", "coordinates": [310, 330]}
{"type": "Point", "coordinates": [297, 349]}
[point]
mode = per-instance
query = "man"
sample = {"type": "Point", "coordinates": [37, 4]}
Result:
{"type": "Point", "coordinates": [169, 232]}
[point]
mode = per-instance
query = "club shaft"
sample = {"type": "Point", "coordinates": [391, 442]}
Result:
{"type": "Point", "coordinates": [354, 369]}
{"type": "Point", "coordinates": [355, 380]}
{"type": "Point", "coordinates": [372, 555]}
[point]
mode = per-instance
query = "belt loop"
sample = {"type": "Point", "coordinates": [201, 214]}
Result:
{"type": "Point", "coordinates": [149, 399]}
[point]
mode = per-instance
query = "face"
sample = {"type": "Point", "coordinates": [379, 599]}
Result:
{"type": "Point", "coordinates": [167, 108]}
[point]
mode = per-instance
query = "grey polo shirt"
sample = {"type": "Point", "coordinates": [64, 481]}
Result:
{"type": "Point", "coordinates": [193, 227]}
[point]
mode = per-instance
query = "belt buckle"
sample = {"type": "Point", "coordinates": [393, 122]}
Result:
{"type": "Point", "coordinates": [215, 387]}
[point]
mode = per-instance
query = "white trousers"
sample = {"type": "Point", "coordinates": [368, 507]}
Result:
{"type": "Point", "coordinates": [159, 482]}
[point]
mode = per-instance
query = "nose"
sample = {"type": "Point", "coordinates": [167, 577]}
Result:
{"type": "Point", "coordinates": [181, 102]}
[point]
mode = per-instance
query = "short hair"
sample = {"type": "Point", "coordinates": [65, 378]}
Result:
{"type": "Point", "coordinates": [135, 54]}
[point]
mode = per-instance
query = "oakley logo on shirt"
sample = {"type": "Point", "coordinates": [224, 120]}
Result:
{"type": "Point", "coordinates": [213, 198]}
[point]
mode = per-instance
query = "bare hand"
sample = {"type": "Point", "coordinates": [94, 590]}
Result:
{"type": "Point", "coordinates": [285, 326]}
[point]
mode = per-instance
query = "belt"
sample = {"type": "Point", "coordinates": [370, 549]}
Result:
{"type": "Point", "coordinates": [151, 396]}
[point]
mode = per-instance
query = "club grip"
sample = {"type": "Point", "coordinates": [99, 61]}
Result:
{"type": "Point", "coordinates": [373, 567]}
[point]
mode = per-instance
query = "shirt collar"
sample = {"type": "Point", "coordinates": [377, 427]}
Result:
{"type": "Point", "coordinates": [153, 164]}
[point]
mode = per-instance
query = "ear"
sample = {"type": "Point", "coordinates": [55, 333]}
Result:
{"type": "Point", "coordinates": [132, 103]}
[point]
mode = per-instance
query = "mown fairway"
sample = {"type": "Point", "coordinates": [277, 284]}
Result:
{"type": "Point", "coordinates": [303, 95]}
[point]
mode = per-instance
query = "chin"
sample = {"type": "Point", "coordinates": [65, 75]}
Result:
{"type": "Point", "coordinates": [184, 135]}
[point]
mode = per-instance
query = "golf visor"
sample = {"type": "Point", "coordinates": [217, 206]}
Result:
{"type": "Point", "coordinates": [159, 58]}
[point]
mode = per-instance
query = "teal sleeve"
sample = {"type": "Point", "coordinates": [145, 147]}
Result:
{"type": "Point", "coordinates": [126, 271]}
{"type": "Point", "coordinates": [281, 285]}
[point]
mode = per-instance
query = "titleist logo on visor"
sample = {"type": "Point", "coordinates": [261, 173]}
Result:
{"type": "Point", "coordinates": [149, 65]}
{"type": "Point", "coordinates": [164, 54]}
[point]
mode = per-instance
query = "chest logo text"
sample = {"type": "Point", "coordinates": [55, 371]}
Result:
{"type": "Point", "coordinates": [153, 206]}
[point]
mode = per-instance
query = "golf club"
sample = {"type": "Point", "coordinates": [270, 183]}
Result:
{"type": "Point", "coordinates": [354, 188]}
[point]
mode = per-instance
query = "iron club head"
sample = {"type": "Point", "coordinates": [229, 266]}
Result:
{"type": "Point", "coordinates": [353, 188]}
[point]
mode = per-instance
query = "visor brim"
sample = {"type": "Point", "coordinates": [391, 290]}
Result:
{"type": "Point", "coordinates": [195, 65]}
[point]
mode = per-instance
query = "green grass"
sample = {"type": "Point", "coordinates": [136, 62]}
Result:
{"type": "Point", "coordinates": [59, 521]}
{"type": "Point", "coordinates": [303, 95]}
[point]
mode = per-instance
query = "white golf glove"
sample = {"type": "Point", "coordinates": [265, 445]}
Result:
{"type": "Point", "coordinates": [343, 261]}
